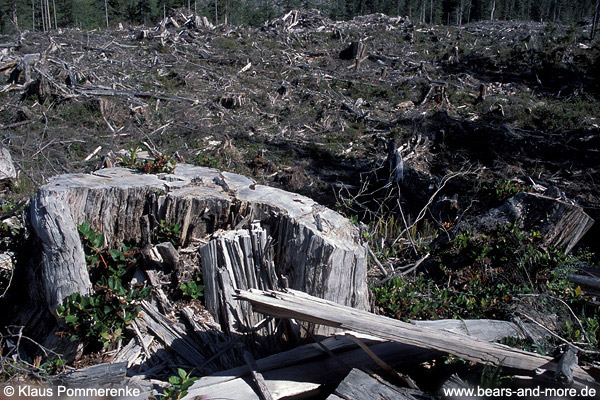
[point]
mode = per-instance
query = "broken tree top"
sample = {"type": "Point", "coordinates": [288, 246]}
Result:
{"type": "Point", "coordinates": [316, 249]}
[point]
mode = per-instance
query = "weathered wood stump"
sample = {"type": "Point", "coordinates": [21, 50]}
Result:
{"type": "Point", "coordinates": [562, 224]}
{"type": "Point", "coordinates": [355, 50]}
{"type": "Point", "coordinates": [314, 249]}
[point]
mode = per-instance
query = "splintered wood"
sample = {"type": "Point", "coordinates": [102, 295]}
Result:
{"type": "Point", "coordinates": [240, 259]}
{"type": "Point", "coordinates": [298, 305]}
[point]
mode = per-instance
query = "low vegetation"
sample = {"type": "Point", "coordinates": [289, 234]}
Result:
{"type": "Point", "coordinates": [102, 316]}
{"type": "Point", "coordinates": [499, 276]}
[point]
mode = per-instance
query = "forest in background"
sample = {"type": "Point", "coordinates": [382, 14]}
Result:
{"type": "Point", "coordinates": [42, 15]}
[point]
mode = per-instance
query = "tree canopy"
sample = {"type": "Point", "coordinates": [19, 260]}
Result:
{"type": "Point", "coordinates": [89, 14]}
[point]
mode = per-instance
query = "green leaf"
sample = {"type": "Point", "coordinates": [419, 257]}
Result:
{"type": "Point", "coordinates": [115, 254]}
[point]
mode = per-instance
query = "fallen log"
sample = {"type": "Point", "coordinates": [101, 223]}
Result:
{"type": "Point", "coordinates": [308, 367]}
{"type": "Point", "coordinates": [289, 366]}
{"type": "Point", "coordinates": [485, 329]}
{"type": "Point", "coordinates": [105, 376]}
{"type": "Point", "coordinates": [301, 374]}
{"type": "Point", "coordinates": [96, 375]}
{"type": "Point", "coordinates": [587, 277]}
{"type": "Point", "coordinates": [298, 305]}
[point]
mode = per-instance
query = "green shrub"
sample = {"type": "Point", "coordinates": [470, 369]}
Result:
{"type": "Point", "coordinates": [162, 163]}
{"type": "Point", "coordinates": [102, 316]}
{"type": "Point", "coordinates": [179, 385]}
{"type": "Point", "coordinates": [193, 289]}
{"type": "Point", "coordinates": [492, 275]}
{"type": "Point", "coordinates": [168, 232]}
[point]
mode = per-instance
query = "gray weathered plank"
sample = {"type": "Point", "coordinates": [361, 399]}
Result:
{"type": "Point", "coordinates": [359, 385]}
{"type": "Point", "coordinates": [299, 305]}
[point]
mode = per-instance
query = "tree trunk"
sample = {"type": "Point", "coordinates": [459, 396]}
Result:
{"type": "Point", "coordinates": [493, 10]}
{"type": "Point", "coordinates": [13, 16]}
{"type": "Point", "coordinates": [560, 223]}
{"type": "Point", "coordinates": [596, 19]}
{"type": "Point", "coordinates": [42, 15]}
{"type": "Point", "coordinates": [300, 306]}
{"type": "Point", "coordinates": [55, 20]}
{"type": "Point", "coordinates": [105, 12]}
{"type": "Point", "coordinates": [469, 11]}
{"type": "Point", "coordinates": [48, 16]}
{"type": "Point", "coordinates": [431, 12]}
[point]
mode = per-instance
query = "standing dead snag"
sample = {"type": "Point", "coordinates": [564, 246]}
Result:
{"type": "Point", "coordinates": [355, 51]}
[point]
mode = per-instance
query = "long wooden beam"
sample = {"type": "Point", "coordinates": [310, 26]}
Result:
{"type": "Point", "coordinates": [301, 306]}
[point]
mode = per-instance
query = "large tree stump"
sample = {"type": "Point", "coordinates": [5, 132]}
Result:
{"type": "Point", "coordinates": [315, 249]}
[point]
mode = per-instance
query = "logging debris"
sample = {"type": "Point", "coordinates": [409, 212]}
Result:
{"type": "Point", "coordinates": [302, 306]}
{"type": "Point", "coordinates": [439, 112]}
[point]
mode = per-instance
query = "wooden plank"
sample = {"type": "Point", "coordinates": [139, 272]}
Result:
{"type": "Point", "coordinates": [131, 352]}
{"type": "Point", "coordinates": [302, 354]}
{"type": "Point", "coordinates": [298, 305]}
{"type": "Point", "coordinates": [359, 385]}
{"type": "Point", "coordinates": [287, 372]}
{"type": "Point", "coordinates": [96, 375]}
{"type": "Point", "coordinates": [161, 327]}
{"type": "Point", "coordinates": [257, 377]}
{"type": "Point", "coordinates": [306, 377]}
{"type": "Point", "coordinates": [484, 329]}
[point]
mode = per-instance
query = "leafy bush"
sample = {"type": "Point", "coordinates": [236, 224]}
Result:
{"type": "Point", "coordinates": [160, 164]}
{"type": "Point", "coordinates": [500, 191]}
{"type": "Point", "coordinates": [102, 316]}
{"type": "Point", "coordinates": [163, 163]}
{"type": "Point", "coordinates": [491, 276]}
